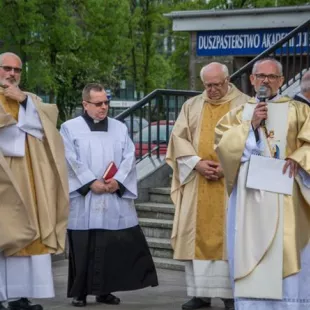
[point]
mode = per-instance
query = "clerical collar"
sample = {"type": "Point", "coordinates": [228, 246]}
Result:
{"type": "Point", "coordinates": [272, 97]}
{"type": "Point", "coordinates": [95, 125]}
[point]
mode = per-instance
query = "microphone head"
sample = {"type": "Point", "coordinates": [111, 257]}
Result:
{"type": "Point", "coordinates": [263, 93]}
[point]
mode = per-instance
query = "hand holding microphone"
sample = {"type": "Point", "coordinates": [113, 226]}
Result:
{"type": "Point", "coordinates": [261, 110]}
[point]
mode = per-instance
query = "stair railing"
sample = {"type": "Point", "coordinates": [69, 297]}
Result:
{"type": "Point", "coordinates": [150, 120]}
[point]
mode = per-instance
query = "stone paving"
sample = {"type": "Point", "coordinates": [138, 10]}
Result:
{"type": "Point", "coordinates": [169, 295]}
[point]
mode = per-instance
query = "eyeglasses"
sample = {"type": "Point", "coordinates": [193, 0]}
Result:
{"type": "Point", "coordinates": [270, 77]}
{"type": "Point", "coordinates": [9, 69]}
{"type": "Point", "coordinates": [99, 104]}
{"type": "Point", "coordinates": [214, 85]}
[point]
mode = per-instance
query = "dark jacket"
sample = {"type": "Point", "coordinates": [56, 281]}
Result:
{"type": "Point", "coordinates": [298, 98]}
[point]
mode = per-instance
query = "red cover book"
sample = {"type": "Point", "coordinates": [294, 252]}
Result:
{"type": "Point", "coordinates": [110, 171]}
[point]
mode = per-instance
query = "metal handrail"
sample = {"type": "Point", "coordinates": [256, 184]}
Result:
{"type": "Point", "coordinates": [160, 109]}
{"type": "Point", "coordinates": [147, 154]}
{"type": "Point", "coordinates": [268, 51]}
{"type": "Point", "coordinates": [153, 95]}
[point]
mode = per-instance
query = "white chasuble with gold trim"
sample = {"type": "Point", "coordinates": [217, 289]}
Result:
{"type": "Point", "coordinates": [259, 217]}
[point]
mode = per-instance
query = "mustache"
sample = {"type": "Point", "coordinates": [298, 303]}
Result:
{"type": "Point", "coordinates": [267, 85]}
{"type": "Point", "coordinates": [9, 81]}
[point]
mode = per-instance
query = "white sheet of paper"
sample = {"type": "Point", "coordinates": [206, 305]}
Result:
{"type": "Point", "coordinates": [265, 173]}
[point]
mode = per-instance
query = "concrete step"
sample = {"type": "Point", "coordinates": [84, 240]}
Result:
{"type": "Point", "coordinates": [156, 228]}
{"type": "Point", "coordinates": [160, 247]}
{"type": "Point", "coordinates": [58, 257]}
{"type": "Point", "coordinates": [167, 263]}
{"type": "Point", "coordinates": [155, 210]}
{"type": "Point", "coordinates": [160, 194]}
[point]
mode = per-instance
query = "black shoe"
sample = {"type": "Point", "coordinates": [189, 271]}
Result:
{"type": "Point", "coordinates": [23, 304]}
{"type": "Point", "coordinates": [229, 304]}
{"type": "Point", "coordinates": [108, 299]}
{"type": "Point", "coordinates": [78, 302]}
{"type": "Point", "coordinates": [196, 303]}
{"type": "Point", "coordinates": [2, 307]}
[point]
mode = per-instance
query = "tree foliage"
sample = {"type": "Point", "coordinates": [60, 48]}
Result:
{"type": "Point", "coordinates": [66, 43]}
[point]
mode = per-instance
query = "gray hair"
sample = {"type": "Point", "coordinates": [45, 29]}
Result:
{"type": "Point", "coordinates": [89, 87]}
{"type": "Point", "coordinates": [224, 69]}
{"type": "Point", "coordinates": [9, 54]}
{"type": "Point", "coordinates": [258, 62]}
{"type": "Point", "coordinates": [305, 83]}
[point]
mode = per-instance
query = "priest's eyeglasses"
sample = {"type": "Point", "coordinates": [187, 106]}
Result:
{"type": "Point", "coordinates": [9, 69]}
{"type": "Point", "coordinates": [99, 104]}
{"type": "Point", "coordinates": [270, 77]}
{"type": "Point", "coordinates": [214, 85]}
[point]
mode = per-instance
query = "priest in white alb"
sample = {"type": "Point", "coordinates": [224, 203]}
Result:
{"type": "Point", "coordinates": [268, 228]}
{"type": "Point", "coordinates": [33, 191]}
{"type": "Point", "coordinates": [198, 190]}
{"type": "Point", "coordinates": [108, 250]}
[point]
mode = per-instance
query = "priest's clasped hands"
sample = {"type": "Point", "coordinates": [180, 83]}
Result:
{"type": "Point", "coordinates": [104, 186]}
{"type": "Point", "coordinates": [210, 169]}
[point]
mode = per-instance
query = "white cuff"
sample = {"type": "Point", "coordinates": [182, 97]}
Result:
{"type": "Point", "coordinates": [186, 165]}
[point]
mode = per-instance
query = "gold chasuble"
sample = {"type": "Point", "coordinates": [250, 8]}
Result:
{"type": "Point", "coordinates": [34, 202]}
{"type": "Point", "coordinates": [230, 137]}
{"type": "Point", "coordinates": [24, 179]}
{"type": "Point", "coordinates": [199, 221]}
{"type": "Point", "coordinates": [211, 199]}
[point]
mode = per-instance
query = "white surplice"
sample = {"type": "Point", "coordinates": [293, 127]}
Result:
{"type": "Point", "coordinates": [29, 276]}
{"type": "Point", "coordinates": [204, 278]}
{"type": "Point", "coordinates": [88, 155]}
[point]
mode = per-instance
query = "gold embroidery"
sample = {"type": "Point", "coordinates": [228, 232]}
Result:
{"type": "Point", "coordinates": [211, 194]}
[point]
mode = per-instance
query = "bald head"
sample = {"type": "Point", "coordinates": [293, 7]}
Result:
{"type": "Point", "coordinates": [214, 69]}
{"type": "Point", "coordinates": [215, 78]}
{"type": "Point", "coordinates": [305, 84]}
{"type": "Point", "coordinates": [10, 69]}
{"type": "Point", "coordinates": [9, 55]}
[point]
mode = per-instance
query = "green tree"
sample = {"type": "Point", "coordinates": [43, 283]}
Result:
{"type": "Point", "coordinates": [147, 65]}
{"type": "Point", "coordinates": [64, 44]}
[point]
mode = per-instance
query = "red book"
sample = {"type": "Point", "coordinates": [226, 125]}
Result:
{"type": "Point", "coordinates": [110, 171]}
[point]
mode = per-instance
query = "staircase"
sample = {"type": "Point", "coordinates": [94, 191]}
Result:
{"type": "Point", "coordinates": [156, 219]}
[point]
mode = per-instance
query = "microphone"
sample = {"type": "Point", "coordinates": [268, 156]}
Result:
{"type": "Point", "coordinates": [262, 96]}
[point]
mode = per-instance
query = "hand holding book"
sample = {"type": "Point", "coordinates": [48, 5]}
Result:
{"type": "Point", "coordinates": [108, 175]}
{"type": "Point", "coordinates": [110, 171]}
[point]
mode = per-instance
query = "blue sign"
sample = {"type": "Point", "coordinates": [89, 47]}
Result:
{"type": "Point", "coordinates": [245, 42]}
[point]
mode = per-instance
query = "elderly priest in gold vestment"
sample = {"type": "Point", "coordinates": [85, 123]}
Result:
{"type": "Point", "coordinates": [198, 189]}
{"type": "Point", "coordinates": [267, 231]}
{"type": "Point", "coordinates": [34, 192]}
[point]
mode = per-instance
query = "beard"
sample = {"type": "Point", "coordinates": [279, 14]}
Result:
{"type": "Point", "coordinates": [9, 81]}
